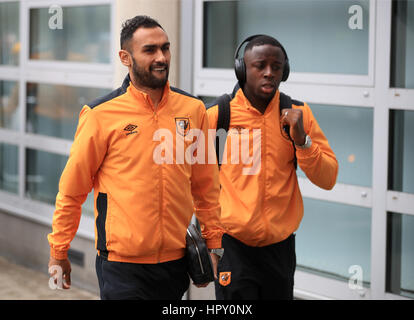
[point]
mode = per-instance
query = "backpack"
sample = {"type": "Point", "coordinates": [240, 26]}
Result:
{"type": "Point", "coordinates": [223, 121]}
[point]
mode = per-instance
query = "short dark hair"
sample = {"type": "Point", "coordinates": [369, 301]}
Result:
{"type": "Point", "coordinates": [131, 25]}
{"type": "Point", "coordinates": [262, 40]}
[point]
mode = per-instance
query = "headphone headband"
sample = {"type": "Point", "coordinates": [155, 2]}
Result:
{"type": "Point", "coordinates": [236, 55]}
{"type": "Point", "coordinates": [240, 67]}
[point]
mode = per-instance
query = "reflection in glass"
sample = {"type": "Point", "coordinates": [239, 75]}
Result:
{"type": "Point", "coordinates": [401, 151]}
{"type": "Point", "coordinates": [402, 44]}
{"type": "Point", "coordinates": [9, 175]}
{"type": "Point", "coordinates": [333, 237]}
{"type": "Point", "coordinates": [9, 102]}
{"type": "Point", "coordinates": [84, 36]}
{"type": "Point", "coordinates": [53, 110]}
{"type": "Point", "coordinates": [349, 131]}
{"type": "Point", "coordinates": [319, 36]}
{"type": "Point", "coordinates": [9, 33]}
{"type": "Point", "coordinates": [43, 171]}
{"type": "Point", "coordinates": [400, 254]}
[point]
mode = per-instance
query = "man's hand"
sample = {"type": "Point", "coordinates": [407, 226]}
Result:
{"type": "Point", "coordinates": [214, 259]}
{"type": "Point", "coordinates": [294, 119]}
{"type": "Point", "coordinates": [60, 271]}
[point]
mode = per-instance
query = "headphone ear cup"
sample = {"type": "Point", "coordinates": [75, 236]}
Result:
{"type": "Point", "coordinates": [240, 69]}
{"type": "Point", "coordinates": [286, 70]}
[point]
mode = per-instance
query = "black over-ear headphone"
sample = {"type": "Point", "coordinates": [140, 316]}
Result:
{"type": "Point", "coordinates": [240, 66]}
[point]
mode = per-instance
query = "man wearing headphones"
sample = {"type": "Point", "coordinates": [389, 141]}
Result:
{"type": "Point", "coordinates": [261, 211]}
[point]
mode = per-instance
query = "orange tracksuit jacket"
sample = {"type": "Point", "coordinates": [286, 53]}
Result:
{"type": "Point", "coordinates": [142, 209]}
{"type": "Point", "coordinates": [266, 207]}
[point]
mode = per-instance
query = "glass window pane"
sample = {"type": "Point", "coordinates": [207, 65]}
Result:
{"type": "Point", "coordinates": [83, 35]}
{"type": "Point", "coordinates": [400, 254]}
{"type": "Point", "coordinates": [53, 110]}
{"type": "Point", "coordinates": [402, 45]}
{"type": "Point", "coordinates": [9, 33]}
{"type": "Point", "coordinates": [9, 175]}
{"type": "Point", "coordinates": [88, 206]}
{"type": "Point", "coordinates": [220, 34]}
{"type": "Point", "coordinates": [353, 149]}
{"type": "Point", "coordinates": [304, 33]}
{"type": "Point", "coordinates": [9, 103]}
{"type": "Point", "coordinates": [401, 161]}
{"type": "Point", "coordinates": [43, 170]}
{"type": "Point", "coordinates": [333, 237]}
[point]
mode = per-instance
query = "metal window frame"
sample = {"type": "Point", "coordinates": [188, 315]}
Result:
{"type": "Point", "coordinates": [372, 91]}
{"type": "Point", "coordinates": [52, 72]}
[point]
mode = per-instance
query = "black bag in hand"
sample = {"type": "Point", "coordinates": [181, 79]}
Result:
{"type": "Point", "coordinates": [199, 262]}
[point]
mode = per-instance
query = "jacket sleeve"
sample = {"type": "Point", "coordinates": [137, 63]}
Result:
{"type": "Point", "coordinates": [205, 188]}
{"type": "Point", "coordinates": [76, 181]}
{"type": "Point", "coordinates": [318, 162]}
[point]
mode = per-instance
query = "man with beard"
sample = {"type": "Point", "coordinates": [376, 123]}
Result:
{"type": "Point", "coordinates": [143, 206]}
{"type": "Point", "coordinates": [261, 211]}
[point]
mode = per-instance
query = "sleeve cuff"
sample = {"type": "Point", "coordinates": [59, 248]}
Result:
{"type": "Point", "coordinates": [214, 243]}
{"type": "Point", "coordinates": [303, 153]}
{"type": "Point", "coordinates": [58, 255]}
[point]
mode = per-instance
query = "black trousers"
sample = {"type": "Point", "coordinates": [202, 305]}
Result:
{"type": "Point", "coordinates": [256, 273]}
{"type": "Point", "coordinates": [133, 281]}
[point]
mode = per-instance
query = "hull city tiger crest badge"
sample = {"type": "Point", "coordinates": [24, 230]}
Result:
{"type": "Point", "coordinates": [225, 278]}
{"type": "Point", "coordinates": [182, 125]}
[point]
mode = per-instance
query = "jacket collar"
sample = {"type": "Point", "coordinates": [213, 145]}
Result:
{"type": "Point", "coordinates": [241, 99]}
{"type": "Point", "coordinates": [127, 85]}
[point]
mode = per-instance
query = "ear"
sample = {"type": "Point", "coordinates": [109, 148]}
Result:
{"type": "Point", "coordinates": [125, 58]}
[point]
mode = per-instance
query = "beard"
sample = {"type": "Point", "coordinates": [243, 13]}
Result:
{"type": "Point", "coordinates": [146, 78]}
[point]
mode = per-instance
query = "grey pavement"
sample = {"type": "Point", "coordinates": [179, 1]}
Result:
{"type": "Point", "coordinates": [20, 283]}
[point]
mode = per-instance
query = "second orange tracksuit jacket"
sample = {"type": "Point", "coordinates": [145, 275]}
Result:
{"type": "Point", "coordinates": [142, 206]}
{"type": "Point", "coordinates": [261, 203]}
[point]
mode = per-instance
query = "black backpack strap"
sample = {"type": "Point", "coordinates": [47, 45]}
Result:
{"type": "Point", "coordinates": [286, 103]}
{"type": "Point", "coordinates": [223, 123]}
